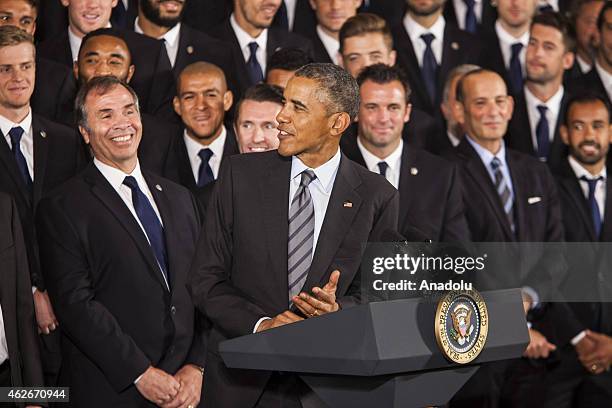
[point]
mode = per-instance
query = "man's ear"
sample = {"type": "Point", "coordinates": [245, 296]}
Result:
{"type": "Point", "coordinates": [340, 122]}
{"type": "Point", "coordinates": [177, 105]}
{"type": "Point", "coordinates": [75, 70]}
{"type": "Point", "coordinates": [228, 100]}
{"type": "Point", "coordinates": [407, 113]}
{"type": "Point", "coordinates": [564, 133]}
{"type": "Point", "coordinates": [130, 74]}
{"type": "Point", "coordinates": [84, 133]}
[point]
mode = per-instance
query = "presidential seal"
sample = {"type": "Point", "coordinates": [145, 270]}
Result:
{"type": "Point", "coordinates": [462, 324]}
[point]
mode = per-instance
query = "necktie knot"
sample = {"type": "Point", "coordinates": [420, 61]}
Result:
{"type": "Point", "coordinates": [382, 167]}
{"type": "Point", "coordinates": [469, 3]}
{"type": "Point", "coordinates": [542, 109]}
{"type": "Point", "coordinates": [427, 38]}
{"type": "Point", "coordinates": [253, 46]}
{"type": "Point", "coordinates": [131, 182]}
{"type": "Point", "coordinates": [307, 177]}
{"type": "Point", "coordinates": [205, 154]}
{"type": "Point", "coordinates": [516, 49]}
{"type": "Point", "coordinates": [495, 163]}
{"type": "Point", "coordinates": [592, 182]}
{"type": "Point", "coordinates": [15, 134]}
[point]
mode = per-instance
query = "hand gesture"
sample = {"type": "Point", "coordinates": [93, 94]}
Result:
{"type": "Point", "coordinates": [45, 317]}
{"type": "Point", "coordinates": [158, 386]}
{"type": "Point", "coordinates": [282, 319]}
{"type": "Point", "coordinates": [599, 358]}
{"type": "Point", "coordinates": [190, 377]}
{"type": "Point", "coordinates": [538, 347]}
{"type": "Point", "coordinates": [323, 301]}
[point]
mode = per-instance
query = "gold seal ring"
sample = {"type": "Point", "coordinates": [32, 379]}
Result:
{"type": "Point", "coordinates": [594, 367]}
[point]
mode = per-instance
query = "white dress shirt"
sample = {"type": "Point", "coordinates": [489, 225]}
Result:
{"type": "Point", "coordinates": [606, 79]}
{"type": "Point", "coordinates": [171, 40]}
{"type": "Point", "coordinates": [290, 5]}
{"type": "Point", "coordinates": [461, 11]}
{"type": "Point", "coordinates": [585, 66]}
{"type": "Point", "coordinates": [193, 148]}
{"type": "Point", "coordinates": [506, 40]}
{"type": "Point", "coordinates": [394, 162]}
{"type": "Point", "coordinates": [552, 3]}
{"type": "Point", "coordinates": [332, 46]}
{"type": "Point", "coordinates": [552, 114]}
{"type": "Point", "coordinates": [600, 190]}
{"type": "Point", "coordinates": [3, 346]}
{"type": "Point", "coordinates": [415, 30]}
{"type": "Point", "coordinates": [26, 145]}
{"type": "Point", "coordinates": [486, 157]}
{"type": "Point", "coordinates": [454, 140]}
{"type": "Point", "coordinates": [244, 39]}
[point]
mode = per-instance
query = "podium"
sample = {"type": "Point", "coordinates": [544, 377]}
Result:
{"type": "Point", "coordinates": [381, 354]}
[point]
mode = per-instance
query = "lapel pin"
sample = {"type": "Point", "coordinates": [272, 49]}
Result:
{"type": "Point", "coordinates": [43, 134]}
{"type": "Point", "coordinates": [414, 171]}
{"type": "Point", "coordinates": [533, 200]}
{"type": "Point", "coordinates": [157, 186]}
{"type": "Point", "coordinates": [189, 49]}
{"type": "Point", "coordinates": [454, 46]}
{"type": "Point", "coordinates": [347, 204]}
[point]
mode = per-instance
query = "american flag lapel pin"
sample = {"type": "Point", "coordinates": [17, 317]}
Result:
{"type": "Point", "coordinates": [347, 204]}
{"type": "Point", "coordinates": [157, 186]}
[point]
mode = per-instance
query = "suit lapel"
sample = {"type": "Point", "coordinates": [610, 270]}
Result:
{"type": "Point", "coordinates": [182, 56]}
{"type": "Point", "coordinates": [41, 152]}
{"type": "Point", "coordinates": [451, 57]}
{"type": "Point", "coordinates": [109, 197]}
{"type": "Point", "coordinates": [404, 45]}
{"type": "Point", "coordinates": [184, 165]}
{"type": "Point", "coordinates": [406, 183]}
{"type": "Point", "coordinates": [606, 228]}
{"type": "Point", "coordinates": [520, 196]}
{"type": "Point", "coordinates": [572, 186]}
{"type": "Point", "coordinates": [7, 159]}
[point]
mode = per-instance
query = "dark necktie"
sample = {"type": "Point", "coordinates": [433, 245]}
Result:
{"type": "Point", "coordinates": [546, 8]}
{"type": "Point", "coordinates": [253, 67]}
{"type": "Point", "coordinates": [282, 18]}
{"type": "Point", "coordinates": [301, 235]}
{"type": "Point", "coordinates": [16, 134]}
{"type": "Point", "coordinates": [430, 67]}
{"type": "Point", "coordinates": [516, 71]}
{"type": "Point", "coordinates": [119, 16]}
{"type": "Point", "coordinates": [205, 174]}
{"type": "Point", "coordinates": [594, 207]}
{"type": "Point", "coordinates": [542, 134]}
{"type": "Point", "coordinates": [471, 24]}
{"type": "Point", "coordinates": [382, 168]}
{"type": "Point", "coordinates": [503, 190]}
{"type": "Point", "coordinates": [151, 224]}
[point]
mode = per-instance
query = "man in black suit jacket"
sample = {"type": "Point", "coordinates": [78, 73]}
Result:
{"type": "Point", "coordinates": [435, 208]}
{"type": "Point", "coordinates": [197, 151]}
{"type": "Point", "coordinates": [249, 27]}
{"type": "Point", "coordinates": [534, 128]}
{"type": "Point", "coordinates": [391, 10]}
{"type": "Point", "coordinates": [300, 20]}
{"type": "Point", "coordinates": [36, 155]}
{"type": "Point", "coordinates": [116, 245]}
{"type": "Point", "coordinates": [428, 66]}
{"type": "Point", "coordinates": [344, 206]}
{"type": "Point", "coordinates": [480, 19]}
{"type": "Point", "coordinates": [20, 359]}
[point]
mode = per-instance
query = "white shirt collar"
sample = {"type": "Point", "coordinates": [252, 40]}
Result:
{"type": "Point", "coordinates": [508, 39]}
{"type": "Point", "coordinates": [553, 3]}
{"type": "Point", "coordinates": [115, 177]}
{"type": "Point", "coordinates": [415, 30]}
{"type": "Point", "coordinates": [26, 124]}
{"type": "Point", "coordinates": [245, 38]}
{"type": "Point", "coordinates": [326, 173]}
{"type": "Point", "coordinates": [585, 66]}
{"type": "Point", "coordinates": [171, 39]}
{"type": "Point", "coordinates": [193, 147]}
{"type": "Point", "coordinates": [332, 46]}
{"type": "Point", "coordinates": [606, 78]}
{"type": "Point", "coordinates": [553, 103]}
{"type": "Point", "coordinates": [580, 171]}
{"type": "Point", "coordinates": [393, 160]}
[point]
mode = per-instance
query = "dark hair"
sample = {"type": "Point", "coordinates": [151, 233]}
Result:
{"type": "Point", "coordinates": [289, 59]}
{"type": "Point", "coordinates": [576, 8]}
{"type": "Point", "coordinates": [460, 91]}
{"type": "Point", "coordinates": [586, 96]}
{"type": "Point", "coordinates": [101, 86]}
{"type": "Point", "coordinates": [365, 23]}
{"type": "Point", "coordinates": [110, 32]}
{"type": "Point", "coordinates": [559, 22]}
{"type": "Point", "coordinates": [11, 35]}
{"type": "Point", "coordinates": [35, 4]}
{"type": "Point", "coordinates": [261, 93]}
{"type": "Point", "coordinates": [337, 89]}
{"type": "Point", "coordinates": [601, 18]}
{"type": "Point", "coordinates": [384, 74]}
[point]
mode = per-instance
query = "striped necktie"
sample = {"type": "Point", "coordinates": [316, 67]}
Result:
{"type": "Point", "coordinates": [501, 185]}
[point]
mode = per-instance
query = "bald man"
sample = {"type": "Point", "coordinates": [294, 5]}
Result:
{"type": "Point", "coordinates": [202, 100]}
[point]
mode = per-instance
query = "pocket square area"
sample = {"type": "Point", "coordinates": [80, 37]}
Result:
{"type": "Point", "coordinates": [533, 200]}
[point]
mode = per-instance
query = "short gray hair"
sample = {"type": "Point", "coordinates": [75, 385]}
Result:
{"type": "Point", "coordinates": [458, 71]}
{"type": "Point", "coordinates": [337, 90]}
{"type": "Point", "coordinates": [101, 85]}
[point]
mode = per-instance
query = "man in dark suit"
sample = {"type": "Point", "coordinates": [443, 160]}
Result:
{"type": "Point", "coordinates": [19, 355]}
{"type": "Point", "coordinates": [473, 16]}
{"type": "Point", "coordinates": [253, 41]}
{"type": "Point", "coordinates": [337, 206]}
{"type": "Point", "coordinates": [104, 52]}
{"type": "Point", "coordinates": [428, 47]}
{"type": "Point", "coordinates": [534, 128]}
{"type": "Point", "coordinates": [53, 94]}
{"type": "Point", "coordinates": [584, 18]}
{"type": "Point", "coordinates": [36, 155]}
{"type": "Point", "coordinates": [384, 108]}
{"type": "Point", "coordinates": [116, 245]}
{"type": "Point", "coordinates": [296, 16]}
{"type": "Point", "coordinates": [283, 63]}
{"type": "Point", "coordinates": [197, 151]}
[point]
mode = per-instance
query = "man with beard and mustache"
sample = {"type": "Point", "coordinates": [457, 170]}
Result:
{"type": "Point", "coordinates": [534, 128]}
{"type": "Point", "coordinates": [252, 39]}
{"type": "Point", "coordinates": [428, 48]}
{"type": "Point", "coordinates": [584, 191]}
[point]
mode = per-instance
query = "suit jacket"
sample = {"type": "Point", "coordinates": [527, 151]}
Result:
{"type": "Point", "coordinates": [430, 200]}
{"type": "Point", "coordinates": [492, 57]}
{"type": "Point", "coordinates": [590, 81]}
{"type": "Point", "coordinates": [391, 10]}
{"type": "Point", "coordinates": [240, 272]}
{"type": "Point", "coordinates": [305, 19]}
{"type": "Point", "coordinates": [320, 52]}
{"type": "Point", "coordinates": [459, 47]}
{"type": "Point", "coordinates": [277, 38]}
{"type": "Point", "coordinates": [57, 157]}
{"type": "Point", "coordinates": [489, 15]}
{"type": "Point", "coordinates": [519, 132]}
{"type": "Point", "coordinates": [205, 15]}
{"type": "Point", "coordinates": [177, 166]}
{"type": "Point", "coordinates": [54, 89]}
{"type": "Point", "coordinates": [117, 315]}
{"type": "Point", "coordinates": [16, 300]}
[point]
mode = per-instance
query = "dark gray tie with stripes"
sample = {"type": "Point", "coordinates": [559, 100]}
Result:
{"type": "Point", "coordinates": [503, 190]}
{"type": "Point", "coordinates": [301, 235]}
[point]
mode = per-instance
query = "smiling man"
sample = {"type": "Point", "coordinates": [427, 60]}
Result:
{"type": "Point", "coordinates": [255, 124]}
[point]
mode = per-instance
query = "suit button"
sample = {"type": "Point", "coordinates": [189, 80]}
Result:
{"type": "Point", "coordinates": [173, 310]}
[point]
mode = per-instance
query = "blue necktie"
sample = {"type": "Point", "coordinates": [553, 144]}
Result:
{"type": "Point", "coordinates": [545, 8]}
{"type": "Point", "coordinates": [382, 168]}
{"type": "Point", "coordinates": [16, 134]}
{"type": "Point", "coordinates": [542, 134]}
{"type": "Point", "coordinates": [471, 24]}
{"type": "Point", "coordinates": [253, 67]}
{"type": "Point", "coordinates": [151, 224]}
{"type": "Point", "coordinates": [205, 174]}
{"type": "Point", "coordinates": [595, 214]}
{"type": "Point", "coordinates": [516, 71]}
{"type": "Point", "coordinates": [430, 67]}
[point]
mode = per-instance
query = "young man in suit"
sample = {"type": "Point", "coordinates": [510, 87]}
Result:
{"type": "Point", "coordinates": [383, 111]}
{"type": "Point", "coordinates": [116, 244]}
{"type": "Point", "coordinates": [473, 16]}
{"type": "Point", "coordinates": [253, 40]}
{"type": "Point", "coordinates": [196, 153]}
{"type": "Point", "coordinates": [283, 63]}
{"type": "Point", "coordinates": [36, 155]}
{"type": "Point", "coordinates": [428, 47]}
{"type": "Point", "coordinates": [288, 227]}
{"type": "Point", "coordinates": [534, 128]}
{"type": "Point", "coordinates": [505, 43]}
{"type": "Point", "coordinates": [19, 355]}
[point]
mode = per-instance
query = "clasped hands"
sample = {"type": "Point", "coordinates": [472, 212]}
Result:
{"type": "Point", "coordinates": [322, 301]}
{"type": "Point", "coordinates": [182, 390]}
{"type": "Point", "coordinates": [595, 352]}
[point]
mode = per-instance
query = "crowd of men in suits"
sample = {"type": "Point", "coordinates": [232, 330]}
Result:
{"type": "Point", "coordinates": [175, 173]}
